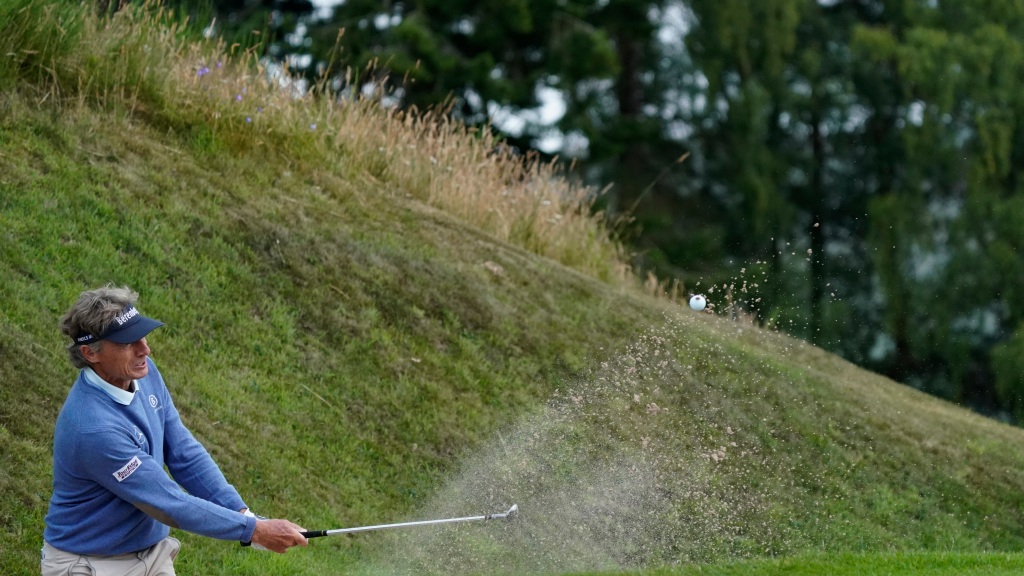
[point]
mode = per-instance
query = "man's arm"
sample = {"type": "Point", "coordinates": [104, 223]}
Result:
{"type": "Point", "coordinates": [119, 465]}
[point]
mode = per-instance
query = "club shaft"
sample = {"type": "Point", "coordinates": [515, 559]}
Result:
{"type": "Point", "coordinates": [318, 533]}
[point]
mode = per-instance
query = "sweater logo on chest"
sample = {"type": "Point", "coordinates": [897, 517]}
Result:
{"type": "Point", "coordinates": [128, 469]}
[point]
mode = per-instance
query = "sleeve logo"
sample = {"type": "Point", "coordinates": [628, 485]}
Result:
{"type": "Point", "coordinates": [125, 471]}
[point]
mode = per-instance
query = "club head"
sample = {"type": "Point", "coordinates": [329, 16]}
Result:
{"type": "Point", "coordinates": [507, 515]}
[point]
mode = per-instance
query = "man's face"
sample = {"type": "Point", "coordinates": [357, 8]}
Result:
{"type": "Point", "coordinates": [119, 364]}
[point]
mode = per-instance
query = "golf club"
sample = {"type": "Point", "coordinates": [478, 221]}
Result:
{"type": "Point", "coordinates": [510, 513]}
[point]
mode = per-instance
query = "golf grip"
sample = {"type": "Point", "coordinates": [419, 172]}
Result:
{"type": "Point", "coordinates": [308, 534]}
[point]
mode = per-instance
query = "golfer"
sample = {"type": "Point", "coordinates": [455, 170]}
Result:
{"type": "Point", "coordinates": [113, 502]}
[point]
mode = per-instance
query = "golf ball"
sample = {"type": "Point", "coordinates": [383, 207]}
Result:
{"type": "Point", "coordinates": [697, 302]}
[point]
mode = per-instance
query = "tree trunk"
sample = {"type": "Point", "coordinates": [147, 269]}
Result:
{"type": "Point", "coordinates": [817, 235]}
{"type": "Point", "coordinates": [629, 92]}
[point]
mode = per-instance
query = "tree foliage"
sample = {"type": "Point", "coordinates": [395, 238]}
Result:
{"type": "Point", "coordinates": [482, 58]}
{"type": "Point", "coordinates": [949, 230]}
{"type": "Point", "coordinates": [883, 139]}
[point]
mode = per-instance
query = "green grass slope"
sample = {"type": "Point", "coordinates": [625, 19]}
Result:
{"type": "Point", "coordinates": [354, 350]}
{"type": "Point", "coordinates": [904, 564]}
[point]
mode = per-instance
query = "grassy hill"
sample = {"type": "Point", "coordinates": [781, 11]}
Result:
{"type": "Point", "coordinates": [371, 318]}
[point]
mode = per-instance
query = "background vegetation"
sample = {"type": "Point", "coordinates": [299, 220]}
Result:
{"type": "Point", "coordinates": [853, 164]}
{"type": "Point", "coordinates": [373, 315]}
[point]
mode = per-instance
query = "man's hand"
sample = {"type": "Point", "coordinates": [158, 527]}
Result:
{"type": "Point", "coordinates": [278, 535]}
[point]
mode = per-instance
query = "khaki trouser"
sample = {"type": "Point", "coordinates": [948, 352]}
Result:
{"type": "Point", "coordinates": [157, 560]}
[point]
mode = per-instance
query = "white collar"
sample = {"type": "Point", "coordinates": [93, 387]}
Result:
{"type": "Point", "coordinates": [117, 394]}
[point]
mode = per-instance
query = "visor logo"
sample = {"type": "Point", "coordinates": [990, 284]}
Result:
{"type": "Point", "coordinates": [128, 315]}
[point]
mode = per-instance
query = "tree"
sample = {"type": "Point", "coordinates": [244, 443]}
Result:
{"type": "Point", "coordinates": [777, 97]}
{"type": "Point", "coordinates": [884, 138]}
{"type": "Point", "coordinates": [948, 234]}
{"type": "Point", "coordinates": [269, 26]}
{"type": "Point", "coordinates": [480, 57]}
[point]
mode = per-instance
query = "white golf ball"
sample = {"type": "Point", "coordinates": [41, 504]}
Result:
{"type": "Point", "coordinates": [697, 302]}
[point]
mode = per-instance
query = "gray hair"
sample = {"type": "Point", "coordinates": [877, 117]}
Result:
{"type": "Point", "coordinates": [92, 313]}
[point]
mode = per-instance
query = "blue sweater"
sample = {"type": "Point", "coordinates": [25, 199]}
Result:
{"type": "Point", "coordinates": [111, 494]}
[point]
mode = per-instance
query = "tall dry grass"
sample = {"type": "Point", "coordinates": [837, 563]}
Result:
{"type": "Point", "coordinates": [156, 67]}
